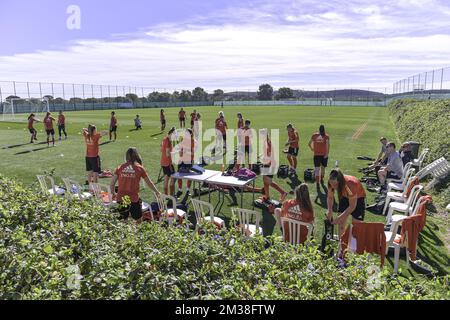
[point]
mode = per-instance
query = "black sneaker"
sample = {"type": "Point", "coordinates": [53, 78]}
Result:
{"type": "Point", "coordinates": [179, 194]}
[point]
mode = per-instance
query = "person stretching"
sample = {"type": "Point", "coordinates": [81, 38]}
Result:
{"type": "Point", "coordinates": [61, 125]}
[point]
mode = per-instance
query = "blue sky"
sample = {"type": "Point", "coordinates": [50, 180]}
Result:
{"type": "Point", "coordinates": [224, 44]}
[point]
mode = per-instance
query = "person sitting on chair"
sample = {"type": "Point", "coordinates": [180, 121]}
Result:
{"type": "Point", "coordinates": [394, 167]}
{"type": "Point", "coordinates": [305, 213]}
{"type": "Point", "coordinates": [406, 154]}
{"type": "Point", "coordinates": [382, 156]}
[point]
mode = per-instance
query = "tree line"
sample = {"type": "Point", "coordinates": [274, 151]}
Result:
{"type": "Point", "coordinates": [265, 92]}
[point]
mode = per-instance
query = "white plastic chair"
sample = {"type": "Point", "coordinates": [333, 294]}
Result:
{"type": "Point", "coordinates": [419, 161]}
{"type": "Point", "coordinates": [75, 191]}
{"type": "Point", "coordinates": [204, 211]}
{"type": "Point", "coordinates": [54, 190]}
{"type": "Point", "coordinates": [401, 186]}
{"type": "Point", "coordinates": [439, 172]}
{"type": "Point", "coordinates": [407, 207]}
{"type": "Point", "coordinates": [245, 218]}
{"type": "Point", "coordinates": [391, 237]}
{"type": "Point", "coordinates": [397, 196]}
{"type": "Point", "coordinates": [401, 181]}
{"type": "Point", "coordinates": [169, 213]}
{"type": "Point", "coordinates": [103, 194]}
{"type": "Point", "coordinates": [434, 166]}
{"type": "Point", "coordinates": [294, 229]}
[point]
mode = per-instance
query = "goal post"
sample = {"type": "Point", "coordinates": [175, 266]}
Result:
{"type": "Point", "coordinates": [17, 109]}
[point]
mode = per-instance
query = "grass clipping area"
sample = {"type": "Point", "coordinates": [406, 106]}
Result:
{"type": "Point", "coordinates": [426, 122]}
{"type": "Point", "coordinates": [54, 249]}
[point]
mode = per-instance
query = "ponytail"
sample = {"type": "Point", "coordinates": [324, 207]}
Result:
{"type": "Point", "coordinates": [322, 130]}
{"type": "Point", "coordinates": [133, 156]}
{"type": "Point", "coordinates": [303, 199]}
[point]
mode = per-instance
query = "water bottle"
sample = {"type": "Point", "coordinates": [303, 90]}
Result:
{"type": "Point", "coordinates": [74, 189]}
{"type": "Point", "coordinates": [336, 164]}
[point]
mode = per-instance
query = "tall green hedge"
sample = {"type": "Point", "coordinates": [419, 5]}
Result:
{"type": "Point", "coordinates": [54, 249]}
{"type": "Point", "coordinates": [427, 122]}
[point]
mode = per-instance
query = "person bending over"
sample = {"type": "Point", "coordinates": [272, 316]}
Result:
{"type": "Point", "coordinates": [351, 196]}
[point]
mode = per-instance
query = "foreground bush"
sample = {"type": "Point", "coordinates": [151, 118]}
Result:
{"type": "Point", "coordinates": [53, 249]}
{"type": "Point", "coordinates": [428, 123]}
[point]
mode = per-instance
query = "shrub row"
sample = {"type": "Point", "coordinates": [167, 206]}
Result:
{"type": "Point", "coordinates": [427, 122]}
{"type": "Point", "coordinates": [54, 249]}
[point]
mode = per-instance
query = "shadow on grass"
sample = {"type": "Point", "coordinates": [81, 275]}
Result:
{"type": "Point", "coordinates": [157, 134]}
{"type": "Point", "coordinates": [30, 150]}
{"type": "Point", "coordinates": [106, 142]}
{"type": "Point", "coordinates": [16, 146]}
{"type": "Point", "coordinates": [294, 181]}
{"type": "Point", "coordinates": [321, 198]}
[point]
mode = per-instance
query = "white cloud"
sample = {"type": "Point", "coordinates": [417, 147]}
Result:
{"type": "Point", "coordinates": [283, 44]}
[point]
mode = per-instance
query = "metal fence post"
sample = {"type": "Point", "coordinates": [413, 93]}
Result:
{"type": "Point", "coordinates": [93, 99]}
{"type": "Point", "coordinates": [442, 77]}
{"type": "Point", "coordinates": [426, 74]}
{"type": "Point", "coordinates": [1, 97]}
{"type": "Point", "coordinates": [14, 85]}
{"type": "Point", "coordinates": [432, 81]}
{"type": "Point", "coordinates": [109, 97]}
{"type": "Point", "coordinates": [73, 97]}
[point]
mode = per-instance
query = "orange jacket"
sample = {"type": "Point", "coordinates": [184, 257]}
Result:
{"type": "Point", "coordinates": [413, 225]}
{"type": "Point", "coordinates": [369, 237]}
{"type": "Point", "coordinates": [410, 186]}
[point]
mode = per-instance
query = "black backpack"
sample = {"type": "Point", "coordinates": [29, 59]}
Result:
{"type": "Point", "coordinates": [283, 172]}
{"type": "Point", "coordinates": [308, 175]}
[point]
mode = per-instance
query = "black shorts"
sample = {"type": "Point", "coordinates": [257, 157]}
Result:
{"type": "Point", "coordinates": [32, 130]}
{"type": "Point", "coordinates": [184, 167]}
{"type": "Point", "coordinates": [192, 123]}
{"type": "Point", "coordinates": [391, 175]}
{"type": "Point", "coordinates": [93, 164]}
{"type": "Point", "coordinates": [320, 161]}
{"type": "Point", "coordinates": [61, 126]}
{"type": "Point", "coordinates": [358, 213]}
{"type": "Point", "coordinates": [293, 151]}
{"type": "Point", "coordinates": [134, 209]}
{"type": "Point", "coordinates": [113, 129]}
{"type": "Point", "coordinates": [50, 132]}
{"type": "Point", "coordinates": [169, 170]}
{"type": "Point", "coordinates": [163, 121]}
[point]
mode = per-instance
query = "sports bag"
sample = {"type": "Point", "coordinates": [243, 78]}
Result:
{"type": "Point", "coordinates": [245, 174]}
{"type": "Point", "coordinates": [308, 175]}
{"type": "Point", "coordinates": [283, 172]}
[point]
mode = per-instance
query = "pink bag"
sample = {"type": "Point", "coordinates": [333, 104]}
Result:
{"type": "Point", "coordinates": [245, 174]}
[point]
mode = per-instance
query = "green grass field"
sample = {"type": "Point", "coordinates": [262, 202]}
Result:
{"type": "Point", "coordinates": [24, 161]}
